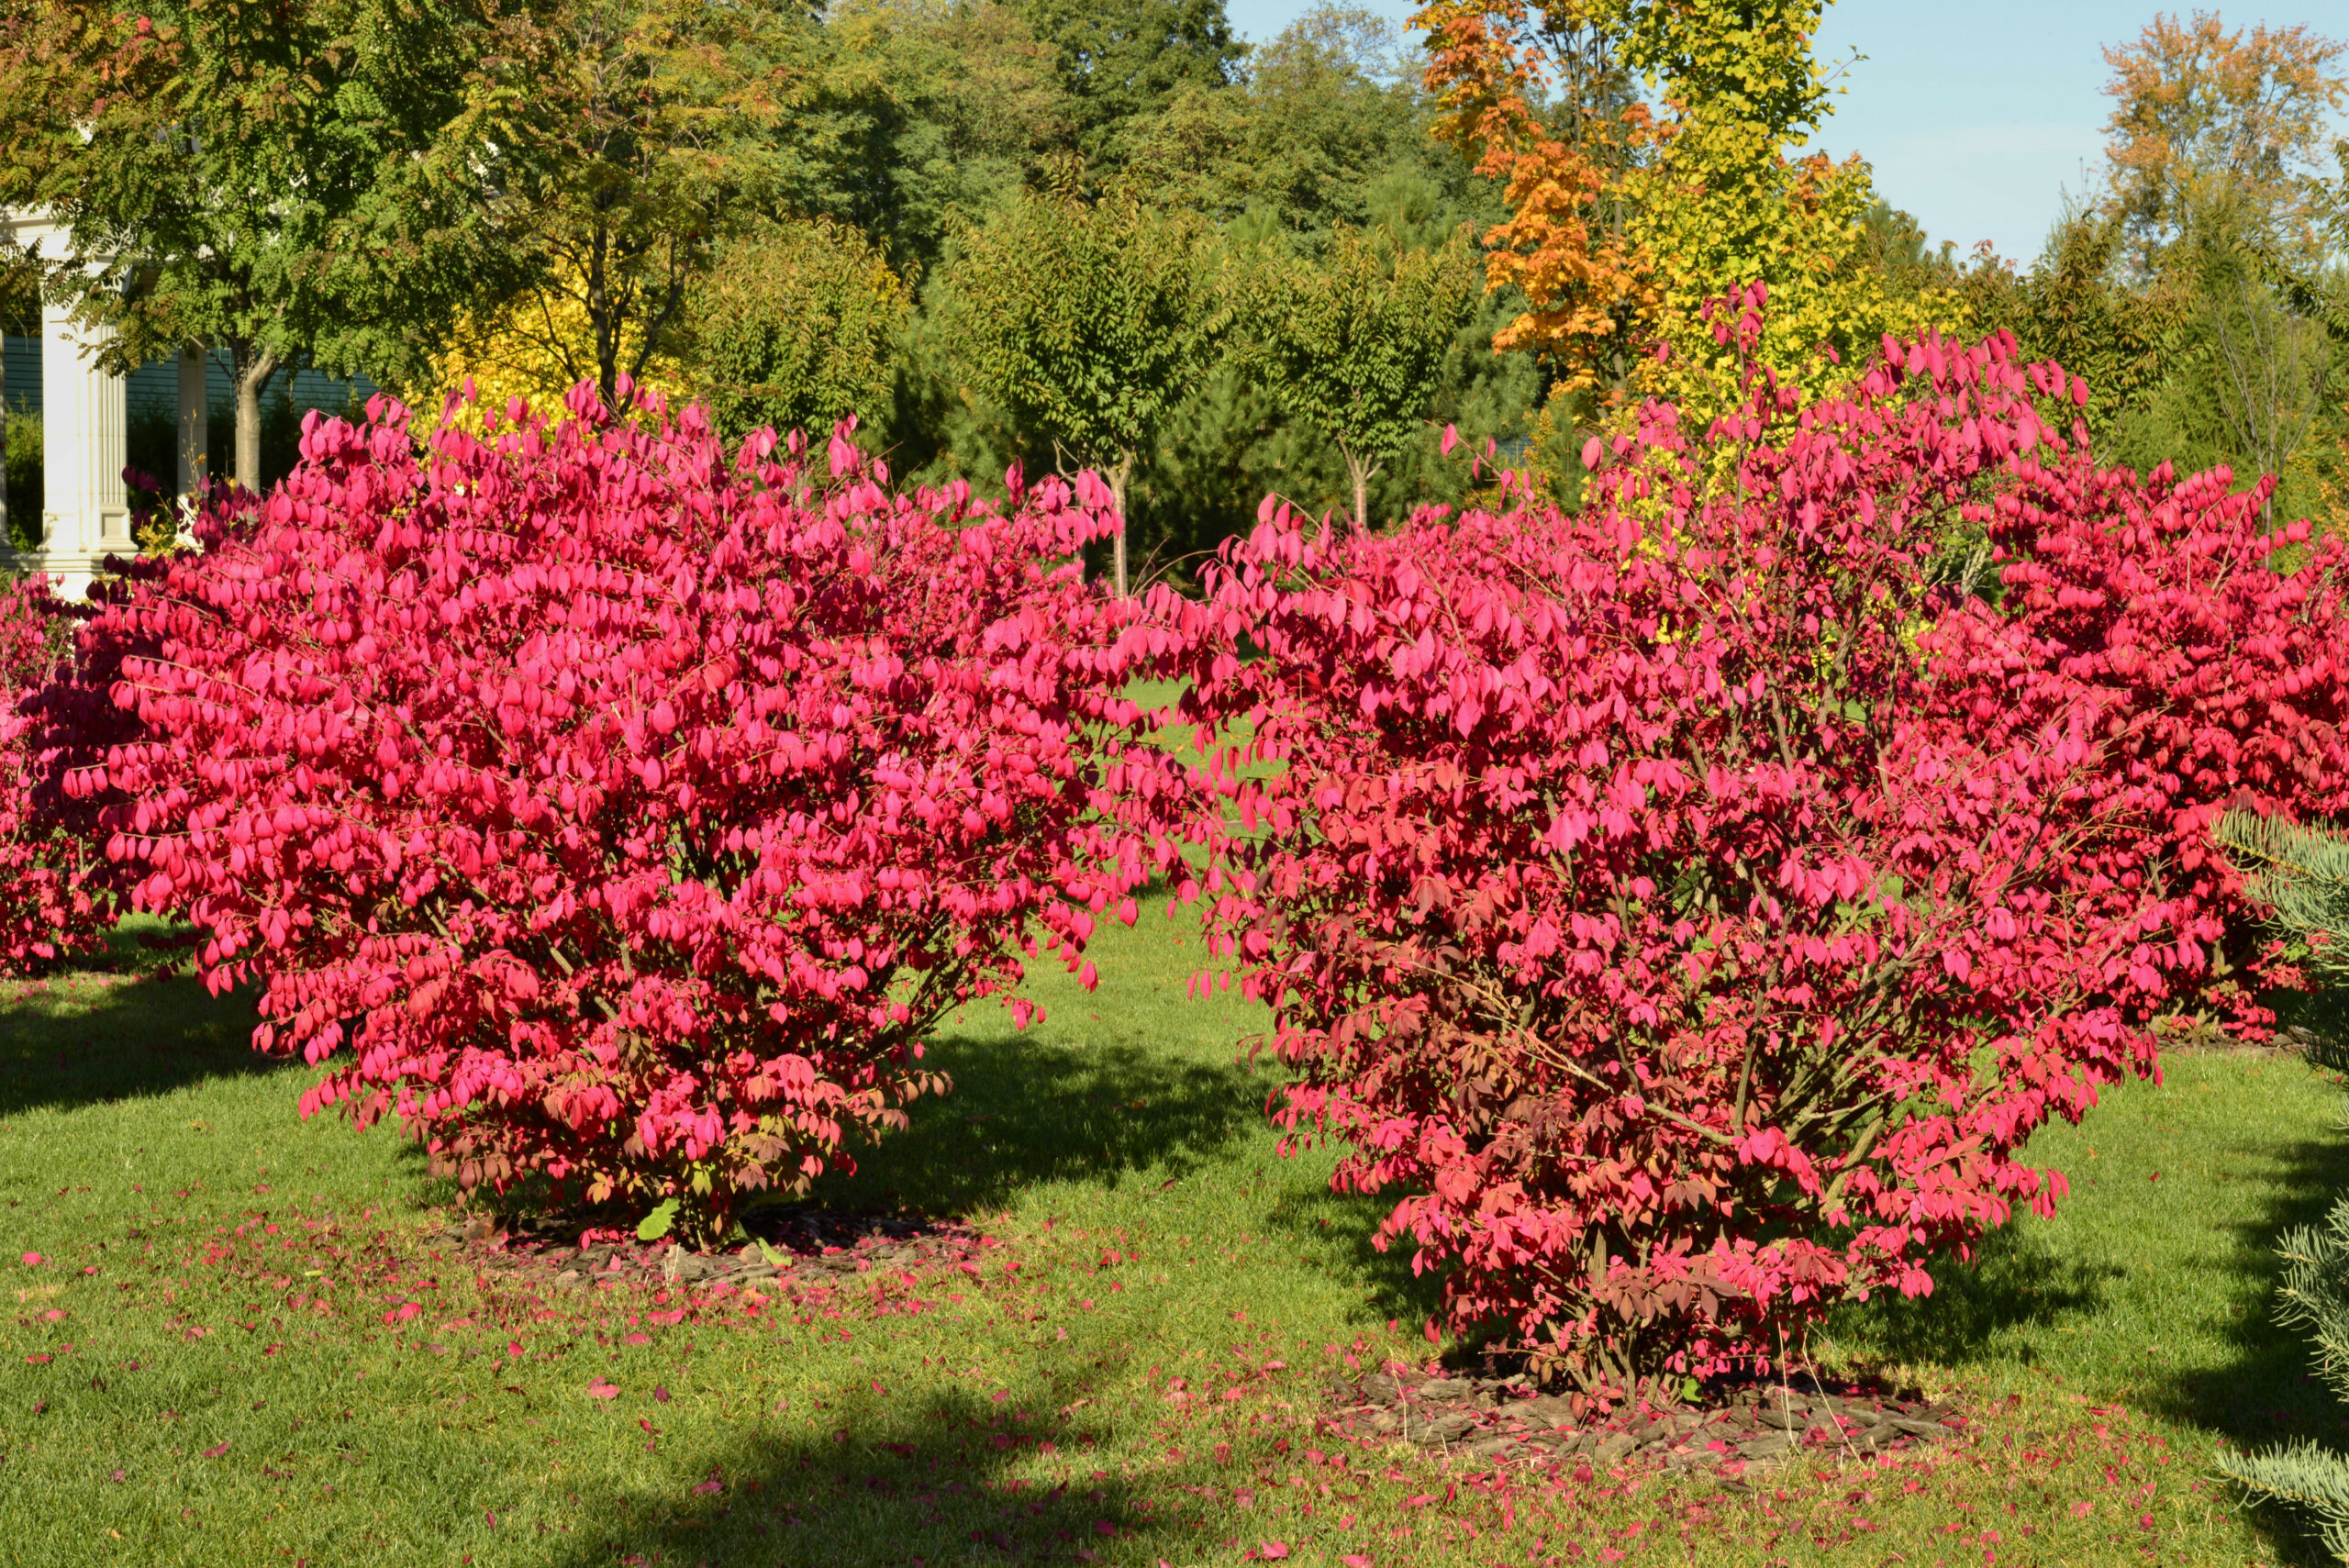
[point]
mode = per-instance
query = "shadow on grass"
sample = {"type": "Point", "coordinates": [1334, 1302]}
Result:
{"type": "Point", "coordinates": [90, 1039]}
{"type": "Point", "coordinates": [2267, 1392]}
{"type": "Point", "coordinates": [1345, 1226]}
{"type": "Point", "coordinates": [1002, 1475]}
{"type": "Point", "coordinates": [2019, 1284]}
{"type": "Point", "coordinates": [2016, 1282]}
{"type": "Point", "coordinates": [1025, 1112]}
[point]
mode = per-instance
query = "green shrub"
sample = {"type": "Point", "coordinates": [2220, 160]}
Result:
{"type": "Point", "coordinates": [25, 491]}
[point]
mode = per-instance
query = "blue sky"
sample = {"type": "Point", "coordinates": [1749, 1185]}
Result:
{"type": "Point", "coordinates": [1976, 115]}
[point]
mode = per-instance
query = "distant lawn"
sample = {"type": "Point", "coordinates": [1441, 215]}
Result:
{"type": "Point", "coordinates": [1029, 1419]}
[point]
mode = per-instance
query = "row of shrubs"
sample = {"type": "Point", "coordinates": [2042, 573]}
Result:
{"type": "Point", "coordinates": [1684, 908]}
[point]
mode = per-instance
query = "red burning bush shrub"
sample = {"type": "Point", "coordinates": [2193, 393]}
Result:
{"type": "Point", "coordinates": [628, 812]}
{"type": "Point", "coordinates": [1689, 908]}
{"type": "Point", "coordinates": [2156, 610]}
{"type": "Point", "coordinates": [50, 905]}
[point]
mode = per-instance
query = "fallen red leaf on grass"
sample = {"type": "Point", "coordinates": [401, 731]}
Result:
{"type": "Point", "coordinates": [602, 1390]}
{"type": "Point", "coordinates": [215, 1451]}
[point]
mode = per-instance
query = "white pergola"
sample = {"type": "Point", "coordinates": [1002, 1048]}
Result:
{"type": "Point", "coordinates": [84, 515]}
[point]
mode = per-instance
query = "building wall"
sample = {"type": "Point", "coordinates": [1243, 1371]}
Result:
{"type": "Point", "coordinates": [151, 404]}
{"type": "Point", "coordinates": [157, 385]}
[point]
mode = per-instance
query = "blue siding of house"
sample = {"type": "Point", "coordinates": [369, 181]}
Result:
{"type": "Point", "coordinates": [158, 384]}
{"type": "Point", "coordinates": [24, 372]}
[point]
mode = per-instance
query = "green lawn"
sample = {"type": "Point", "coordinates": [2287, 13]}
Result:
{"type": "Point", "coordinates": [215, 1272]}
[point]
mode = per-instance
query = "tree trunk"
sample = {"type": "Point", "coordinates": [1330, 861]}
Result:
{"type": "Point", "coordinates": [1118, 499]}
{"type": "Point", "coordinates": [1361, 471]}
{"type": "Point", "coordinates": [604, 316]}
{"type": "Point", "coordinates": [7, 539]}
{"type": "Point", "coordinates": [253, 370]}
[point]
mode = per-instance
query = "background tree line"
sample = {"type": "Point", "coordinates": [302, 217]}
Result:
{"type": "Point", "coordinates": [1037, 231]}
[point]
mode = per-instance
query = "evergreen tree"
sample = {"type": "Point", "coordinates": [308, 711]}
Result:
{"type": "Point", "coordinates": [2309, 1482]}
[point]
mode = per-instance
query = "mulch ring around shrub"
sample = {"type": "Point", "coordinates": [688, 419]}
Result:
{"type": "Point", "coordinates": [803, 1246]}
{"type": "Point", "coordinates": [1507, 1421]}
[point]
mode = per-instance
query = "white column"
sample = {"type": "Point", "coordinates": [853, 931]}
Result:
{"type": "Point", "coordinates": [195, 416]}
{"type": "Point", "coordinates": [85, 517]}
{"type": "Point", "coordinates": [7, 544]}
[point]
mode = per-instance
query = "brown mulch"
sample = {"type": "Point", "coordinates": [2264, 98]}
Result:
{"type": "Point", "coordinates": [803, 1245]}
{"type": "Point", "coordinates": [1507, 1421]}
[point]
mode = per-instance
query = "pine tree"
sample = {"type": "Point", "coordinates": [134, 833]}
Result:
{"type": "Point", "coordinates": [2312, 1482]}
{"type": "Point", "coordinates": [2303, 875]}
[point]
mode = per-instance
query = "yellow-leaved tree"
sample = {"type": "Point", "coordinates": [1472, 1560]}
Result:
{"type": "Point", "coordinates": [1624, 222]}
{"type": "Point", "coordinates": [536, 348]}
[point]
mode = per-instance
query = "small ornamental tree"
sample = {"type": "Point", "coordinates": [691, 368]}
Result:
{"type": "Point", "coordinates": [1689, 908]}
{"type": "Point", "coordinates": [50, 905]}
{"type": "Point", "coordinates": [793, 329]}
{"type": "Point", "coordinates": [1089, 324]}
{"type": "Point", "coordinates": [627, 808]}
{"type": "Point", "coordinates": [1355, 343]}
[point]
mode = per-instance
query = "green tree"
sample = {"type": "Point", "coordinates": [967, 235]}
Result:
{"type": "Point", "coordinates": [1318, 117]}
{"type": "Point", "coordinates": [259, 177]}
{"type": "Point", "coordinates": [1355, 343]}
{"type": "Point", "coordinates": [624, 138]}
{"type": "Point", "coordinates": [2246, 371]}
{"type": "Point", "coordinates": [924, 114]}
{"type": "Point", "coordinates": [1123, 59]}
{"type": "Point", "coordinates": [1089, 323]}
{"type": "Point", "coordinates": [2074, 305]}
{"type": "Point", "coordinates": [793, 329]}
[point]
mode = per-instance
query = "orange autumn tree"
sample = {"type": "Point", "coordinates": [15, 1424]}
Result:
{"type": "Point", "coordinates": [1623, 222]}
{"type": "Point", "coordinates": [1563, 242]}
{"type": "Point", "coordinates": [2199, 111]}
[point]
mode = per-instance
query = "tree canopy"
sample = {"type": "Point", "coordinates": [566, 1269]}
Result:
{"type": "Point", "coordinates": [684, 196]}
{"type": "Point", "coordinates": [267, 179]}
{"type": "Point", "coordinates": [1089, 322]}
